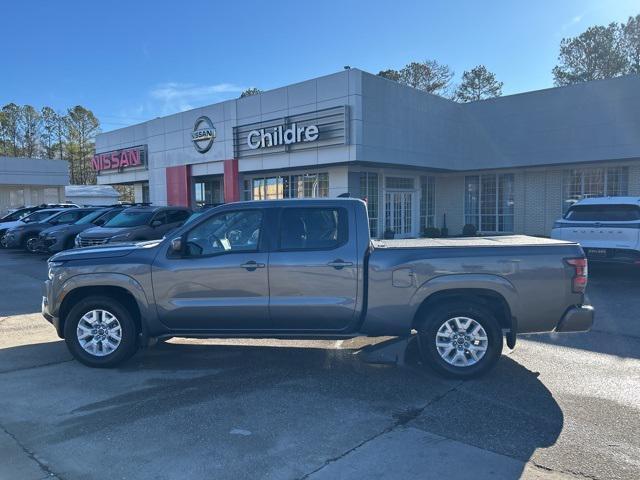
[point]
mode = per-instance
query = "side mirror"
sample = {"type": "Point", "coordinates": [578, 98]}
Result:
{"type": "Point", "coordinates": [176, 245]}
{"type": "Point", "coordinates": [156, 223]}
{"type": "Point", "coordinates": [99, 222]}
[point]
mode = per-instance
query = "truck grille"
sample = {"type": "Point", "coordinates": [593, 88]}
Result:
{"type": "Point", "coordinates": [90, 242]}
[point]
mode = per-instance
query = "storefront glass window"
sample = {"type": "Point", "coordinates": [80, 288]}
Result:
{"type": "Point", "coordinates": [593, 182]}
{"type": "Point", "coordinates": [427, 202]}
{"type": "Point", "coordinates": [311, 185]}
{"type": "Point", "coordinates": [400, 183]}
{"type": "Point", "coordinates": [370, 192]}
{"type": "Point", "coordinates": [489, 202]}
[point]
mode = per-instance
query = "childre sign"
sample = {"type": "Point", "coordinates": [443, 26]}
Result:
{"type": "Point", "coordinates": [282, 136]}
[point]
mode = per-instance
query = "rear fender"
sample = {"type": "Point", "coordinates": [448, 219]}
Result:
{"type": "Point", "coordinates": [472, 281]}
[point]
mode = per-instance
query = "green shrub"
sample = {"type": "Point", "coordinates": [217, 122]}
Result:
{"type": "Point", "coordinates": [469, 230]}
{"type": "Point", "coordinates": [431, 232]}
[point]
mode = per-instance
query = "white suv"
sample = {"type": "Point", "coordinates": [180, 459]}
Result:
{"type": "Point", "coordinates": [607, 228]}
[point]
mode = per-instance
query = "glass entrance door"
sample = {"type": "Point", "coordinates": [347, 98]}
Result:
{"type": "Point", "coordinates": [399, 214]}
{"type": "Point", "coordinates": [207, 191]}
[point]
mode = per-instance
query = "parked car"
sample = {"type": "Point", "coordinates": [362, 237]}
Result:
{"type": "Point", "coordinates": [34, 217]}
{"type": "Point", "coordinates": [607, 228]}
{"type": "Point", "coordinates": [307, 268]}
{"type": "Point", "coordinates": [135, 224]}
{"type": "Point", "coordinates": [26, 236]}
{"type": "Point", "coordinates": [62, 237]}
{"type": "Point", "coordinates": [20, 213]}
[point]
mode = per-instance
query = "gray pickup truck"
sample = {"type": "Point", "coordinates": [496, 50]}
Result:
{"type": "Point", "coordinates": [308, 269]}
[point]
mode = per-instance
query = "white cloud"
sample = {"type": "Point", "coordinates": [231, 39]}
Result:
{"type": "Point", "coordinates": [178, 97]}
{"type": "Point", "coordinates": [573, 21]}
{"type": "Point", "coordinates": [167, 98]}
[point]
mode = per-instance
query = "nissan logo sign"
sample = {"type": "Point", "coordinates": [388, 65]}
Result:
{"type": "Point", "coordinates": [203, 135]}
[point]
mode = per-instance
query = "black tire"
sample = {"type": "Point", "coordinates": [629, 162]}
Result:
{"type": "Point", "coordinates": [435, 319]}
{"type": "Point", "coordinates": [124, 350]}
{"type": "Point", "coordinates": [30, 243]}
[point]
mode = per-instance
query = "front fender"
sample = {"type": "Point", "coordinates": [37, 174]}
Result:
{"type": "Point", "coordinates": [466, 281]}
{"type": "Point", "coordinates": [106, 280]}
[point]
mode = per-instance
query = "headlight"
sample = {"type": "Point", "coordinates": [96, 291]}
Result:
{"type": "Point", "coordinates": [52, 266]}
{"type": "Point", "coordinates": [77, 241]}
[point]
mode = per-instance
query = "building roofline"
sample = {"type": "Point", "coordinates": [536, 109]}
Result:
{"type": "Point", "coordinates": [628, 76]}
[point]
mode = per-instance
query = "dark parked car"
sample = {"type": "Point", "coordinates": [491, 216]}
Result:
{"type": "Point", "coordinates": [135, 224]}
{"type": "Point", "coordinates": [33, 217]}
{"type": "Point", "coordinates": [62, 237]}
{"type": "Point", "coordinates": [23, 212]}
{"type": "Point", "coordinates": [26, 236]}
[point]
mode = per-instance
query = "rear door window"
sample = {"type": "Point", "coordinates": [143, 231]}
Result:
{"type": "Point", "coordinates": [313, 228]}
{"type": "Point", "coordinates": [603, 213]}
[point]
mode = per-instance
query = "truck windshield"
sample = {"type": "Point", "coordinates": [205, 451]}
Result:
{"type": "Point", "coordinates": [129, 219]}
{"type": "Point", "coordinates": [603, 213]}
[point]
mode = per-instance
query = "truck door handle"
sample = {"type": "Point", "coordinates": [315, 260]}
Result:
{"type": "Point", "coordinates": [339, 264]}
{"type": "Point", "coordinates": [252, 265]}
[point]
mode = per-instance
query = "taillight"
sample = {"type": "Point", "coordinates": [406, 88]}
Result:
{"type": "Point", "coordinates": [581, 268]}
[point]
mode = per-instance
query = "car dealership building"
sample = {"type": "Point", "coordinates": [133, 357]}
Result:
{"type": "Point", "coordinates": [507, 165]}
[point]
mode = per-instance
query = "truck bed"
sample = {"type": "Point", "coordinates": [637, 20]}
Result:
{"type": "Point", "coordinates": [496, 241]}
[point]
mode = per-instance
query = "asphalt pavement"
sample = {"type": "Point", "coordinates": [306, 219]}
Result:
{"type": "Point", "coordinates": [558, 406]}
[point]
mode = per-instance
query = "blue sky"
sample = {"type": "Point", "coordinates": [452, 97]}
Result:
{"type": "Point", "coordinates": [130, 61]}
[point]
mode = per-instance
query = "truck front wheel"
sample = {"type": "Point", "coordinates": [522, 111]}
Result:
{"type": "Point", "coordinates": [460, 340]}
{"type": "Point", "coordinates": [100, 332]}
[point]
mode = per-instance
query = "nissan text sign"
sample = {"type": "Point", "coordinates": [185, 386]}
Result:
{"type": "Point", "coordinates": [120, 159]}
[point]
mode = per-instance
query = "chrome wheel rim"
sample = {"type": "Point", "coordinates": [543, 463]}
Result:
{"type": "Point", "coordinates": [99, 332]}
{"type": "Point", "coordinates": [461, 341]}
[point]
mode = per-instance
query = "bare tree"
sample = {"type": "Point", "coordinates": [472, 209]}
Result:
{"type": "Point", "coordinates": [48, 135]}
{"type": "Point", "coordinates": [82, 127]}
{"type": "Point", "coordinates": [390, 74]}
{"type": "Point", "coordinates": [60, 132]}
{"type": "Point", "coordinates": [631, 33]}
{"type": "Point", "coordinates": [478, 84]}
{"type": "Point", "coordinates": [10, 130]}
{"type": "Point", "coordinates": [29, 124]}
{"type": "Point", "coordinates": [250, 91]}
{"type": "Point", "coordinates": [429, 76]}
{"type": "Point", "coordinates": [597, 53]}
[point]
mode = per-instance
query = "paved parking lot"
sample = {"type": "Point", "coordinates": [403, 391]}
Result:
{"type": "Point", "coordinates": [556, 407]}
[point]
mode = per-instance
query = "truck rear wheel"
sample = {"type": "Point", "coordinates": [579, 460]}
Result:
{"type": "Point", "coordinates": [460, 340]}
{"type": "Point", "coordinates": [100, 332]}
